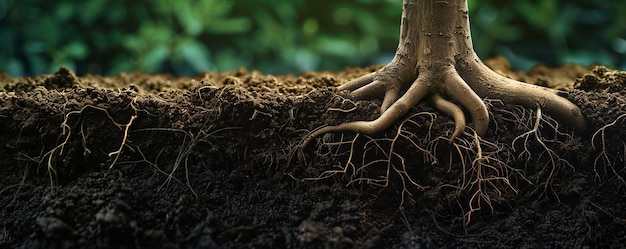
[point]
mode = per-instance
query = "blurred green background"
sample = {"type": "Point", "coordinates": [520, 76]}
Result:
{"type": "Point", "coordinates": [186, 37]}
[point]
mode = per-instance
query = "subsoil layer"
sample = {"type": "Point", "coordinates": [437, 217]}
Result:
{"type": "Point", "coordinates": [153, 161]}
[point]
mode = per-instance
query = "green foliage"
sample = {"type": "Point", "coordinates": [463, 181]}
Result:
{"type": "Point", "coordinates": [551, 31]}
{"type": "Point", "coordinates": [285, 36]}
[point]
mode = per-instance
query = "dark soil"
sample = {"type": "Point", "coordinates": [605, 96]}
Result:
{"type": "Point", "coordinates": [152, 161]}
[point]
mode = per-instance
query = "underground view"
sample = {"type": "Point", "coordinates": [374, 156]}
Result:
{"type": "Point", "coordinates": [433, 148]}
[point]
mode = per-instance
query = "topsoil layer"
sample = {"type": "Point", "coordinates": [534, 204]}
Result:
{"type": "Point", "coordinates": [152, 161]}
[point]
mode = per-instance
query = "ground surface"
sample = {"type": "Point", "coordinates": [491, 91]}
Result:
{"type": "Point", "coordinates": [151, 161]}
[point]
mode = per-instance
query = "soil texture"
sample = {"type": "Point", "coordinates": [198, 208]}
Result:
{"type": "Point", "coordinates": [153, 161]}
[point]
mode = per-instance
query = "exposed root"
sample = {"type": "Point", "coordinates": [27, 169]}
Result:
{"type": "Point", "coordinates": [25, 162]}
{"type": "Point", "coordinates": [22, 182]}
{"type": "Point", "coordinates": [554, 161]}
{"type": "Point", "coordinates": [486, 174]}
{"type": "Point", "coordinates": [609, 158]}
{"type": "Point", "coordinates": [343, 102]}
{"type": "Point", "coordinates": [378, 161]}
{"type": "Point", "coordinates": [435, 60]}
{"type": "Point", "coordinates": [118, 152]}
{"type": "Point", "coordinates": [451, 110]}
{"type": "Point", "coordinates": [52, 155]}
{"type": "Point", "coordinates": [414, 95]}
{"type": "Point", "coordinates": [188, 145]}
{"type": "Point", "coordinates": [332, 152]}
{"type": "Point", "coordinates": [485, 170]}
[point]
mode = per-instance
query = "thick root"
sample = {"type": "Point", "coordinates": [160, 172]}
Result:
{"type": "Point", "coordinates": [465, 88]}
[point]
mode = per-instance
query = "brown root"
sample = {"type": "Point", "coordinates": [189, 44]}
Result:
{"type": "Point", "coordinates": [609, 158]}
{"type": "Point", "coordinates": [534, 138]}
{"type": "Point", "coordinates": [435, 60]}
{"type": "Point", "coordinates": [50, 156]}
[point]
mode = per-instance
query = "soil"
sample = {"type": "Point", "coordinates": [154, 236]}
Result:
{"type": "Point", "coordinates": [153, 161]}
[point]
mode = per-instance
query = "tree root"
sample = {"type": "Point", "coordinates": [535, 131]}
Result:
{"type": "Point", "coordinates": [189, 143]}
{"type": "Point", "coordinates": [52, 155]}
{"type": "Point", "coordinates": [609, 158]}
{"type": "Point", "coordinates": [76, 140]}
{"type": "Point", "coordinates": [554, 161]}
{"type": "Point", "coordinates": [485, 169]}
{"type": "Point", "coordinates": [378, 161]}
{"type": "Point", "coordinates": [436, 60]}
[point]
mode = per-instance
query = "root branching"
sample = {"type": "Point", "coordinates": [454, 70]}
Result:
{"type": "Point", "coordinates": [610, 162]}
{"type": "Point", "coordinates": [485, 171]}
{"type": "Point", "coordinates": [479, 172]}
{"type": "Point", "coordinates": [190, 142]}
{"type": "Point", "coordinates": [50, 157]}
{"type": "Point", "coordinates": [530, 140]}
{"type": "Point", "coordinates": [375, 161]}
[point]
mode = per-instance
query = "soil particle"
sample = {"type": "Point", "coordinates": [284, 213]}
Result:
{"type": "Point", "coordinates": [602, 79]}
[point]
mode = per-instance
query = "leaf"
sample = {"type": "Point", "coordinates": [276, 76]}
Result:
{"type": "Point", "coordinates": [153, 60]}
{"type": "Point", "coordinates": [195, 54]}
{"type": "Point", "coordinates": [233, 25]}
{"type": "Point", "coordinates": [77, 50]}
